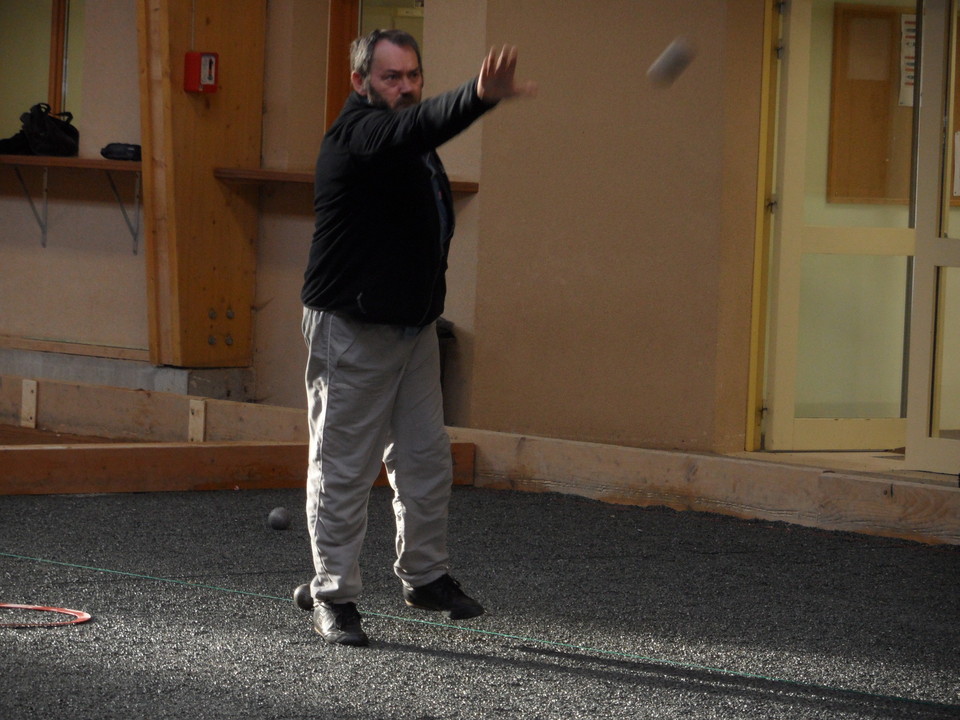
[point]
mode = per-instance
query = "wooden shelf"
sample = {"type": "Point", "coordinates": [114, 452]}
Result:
{"type": "Point", "coordinates": [263, 176]}
{"type": "Point", "coordinates": [71, 162]}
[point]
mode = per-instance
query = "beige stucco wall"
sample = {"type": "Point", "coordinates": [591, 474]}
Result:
{"type": "Point", "coordinates": [614, 253]}
{"type": "Point", "coordinates": [599, 280]}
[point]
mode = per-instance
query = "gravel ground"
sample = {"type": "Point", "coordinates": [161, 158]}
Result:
{"type": "Point", "coordinates": [594, 611]}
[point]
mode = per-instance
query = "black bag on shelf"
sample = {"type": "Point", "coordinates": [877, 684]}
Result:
{"type": "Point", "coordinates": [121, 151]}
{"type": "Point", "coordinates": [49, 133]}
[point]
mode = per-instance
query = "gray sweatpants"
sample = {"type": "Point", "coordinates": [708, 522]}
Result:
{"type": "Point", "coordinates": [373, 394]}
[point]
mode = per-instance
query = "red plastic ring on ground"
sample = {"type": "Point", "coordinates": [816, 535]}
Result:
{"type": "Point", "coordinates": [78, 616]}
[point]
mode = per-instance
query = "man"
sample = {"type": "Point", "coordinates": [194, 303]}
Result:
{"type": "Point", "coordinates": [373, 289]}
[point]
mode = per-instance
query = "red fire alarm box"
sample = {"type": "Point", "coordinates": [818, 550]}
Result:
{"type": "Point", "coordinates": [200, 72]}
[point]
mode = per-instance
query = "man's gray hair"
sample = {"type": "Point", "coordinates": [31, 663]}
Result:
{"type": "Point", "coordinates": [361, 50]}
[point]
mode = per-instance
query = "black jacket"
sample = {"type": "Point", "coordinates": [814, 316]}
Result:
{"type": "Point", "coordinates": [379, 250]}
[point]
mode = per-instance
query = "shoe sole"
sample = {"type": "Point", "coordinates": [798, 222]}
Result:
{"type": "Point", "coordinates": [346, 639]}
{"type": "Point", "coordinates": [451, 614]}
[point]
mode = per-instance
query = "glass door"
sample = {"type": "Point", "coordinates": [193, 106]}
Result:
{"type": "Point", "coordinates": [933, 441]}
{"type": "Point", "coordinates": [843, 239]}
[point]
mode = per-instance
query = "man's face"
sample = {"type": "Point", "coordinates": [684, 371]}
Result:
{"type": "Point", "coordinates": [395, 80]}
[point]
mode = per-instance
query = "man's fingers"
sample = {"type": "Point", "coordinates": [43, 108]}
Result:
{"type": "Point", "coordinates": [497, 79]}
{"type": "Point", "coordinates": [507, 62]}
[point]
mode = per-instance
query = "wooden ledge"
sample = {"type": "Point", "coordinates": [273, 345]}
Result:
{"type": "Point", "coordinates": [265, 176]}
{"type": "Point", "coordinates": [261, 176]}
{"type": "Point", "coordinates": [49, 161]}
{"type": "Point", "coordinates": [12, 342]}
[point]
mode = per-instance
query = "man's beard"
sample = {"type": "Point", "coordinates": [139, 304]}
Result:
{"type": "Point", "coordinates": [377, 100]}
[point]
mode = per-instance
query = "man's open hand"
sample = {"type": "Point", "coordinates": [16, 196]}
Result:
{"type": "Point", "coordinates": [497, 77]}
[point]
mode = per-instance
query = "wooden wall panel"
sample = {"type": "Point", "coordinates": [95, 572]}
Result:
{"type": "Point", "coordinates": [201, 234]}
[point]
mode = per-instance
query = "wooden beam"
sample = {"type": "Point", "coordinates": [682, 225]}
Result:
{"type": "Point", "coordinates": [137, 467]}
{"type": "Point", "coordinates": [200, 236]}
{"type": "Point", "coordinates": [775, 492]}
{"type": "Point", "coordinates": [158, 207]}
{"type": "Point", "coordinates": [58, 45]}
{"type": "Point", "coordinates": [112, 412]}
{"type": "Point", "coordinates": [344, 28]}
{"type": "Point", "coordinates": [162, 467]}
{"type": "Point", "coordinates": [70, 348]}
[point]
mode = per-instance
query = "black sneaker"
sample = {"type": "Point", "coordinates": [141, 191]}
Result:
{"type": "Point", "coordinates": [339, 624]}
{"type": "Point", "coordinates": [443, 594]}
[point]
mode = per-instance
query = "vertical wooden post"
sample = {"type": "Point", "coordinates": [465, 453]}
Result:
{"type": "Point", "coordinates": [58, 43]}
{"type": "Point", "coordinates": [28, 403]}
{"type": "Point", "coordinates": [200, 235]}
{"type": "Point", "coordinates": [344, 27]}
{"type": "Point", "coordinates": [197, 423]}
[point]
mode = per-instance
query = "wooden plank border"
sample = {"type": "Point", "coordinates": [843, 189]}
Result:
{"type": "Point", "coordinates": [149, 467]}
{"type": "Point", "coordinates": [743, 488]}
{"type": "Point", "coordinates": [144, 415]}
{"type": "Point", "coordinates": [249, 445]}
{"type": "Point", "coordinates": [170, 441]}
{"type": "Point", "coordinates": [163, 467]}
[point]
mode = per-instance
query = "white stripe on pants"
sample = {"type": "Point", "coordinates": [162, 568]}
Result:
{"type": "Point", "coordinates": [373, 394]}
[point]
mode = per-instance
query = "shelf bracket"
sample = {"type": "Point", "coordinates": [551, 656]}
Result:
{"type": "Point", "coordinates": [41, 213]}
{"type": "Point", "coordinates": [134, 226]}
{"type": "Point", "coordinates": [41, 217]}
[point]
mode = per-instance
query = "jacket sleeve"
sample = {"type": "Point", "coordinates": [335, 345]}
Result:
{"type": "Point", "coordinates": [420, 128]}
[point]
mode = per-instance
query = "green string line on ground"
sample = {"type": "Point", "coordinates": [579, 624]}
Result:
{"type": "Point", "coordinates": [507, 636]}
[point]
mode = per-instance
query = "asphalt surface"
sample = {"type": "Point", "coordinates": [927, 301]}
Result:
{"type": "Point", "coordinates": [594, 611]}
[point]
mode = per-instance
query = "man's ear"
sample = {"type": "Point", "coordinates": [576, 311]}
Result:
{"type": "Point", "coordinates": [357, 81]}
